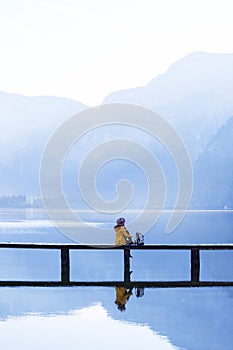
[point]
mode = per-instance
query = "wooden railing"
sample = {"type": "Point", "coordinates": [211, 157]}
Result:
{"type": "Point", "coordinates": [65, 265]}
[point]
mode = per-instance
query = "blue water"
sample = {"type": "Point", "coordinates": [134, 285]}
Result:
{"type": "Point", "coordinates": [87, 317]}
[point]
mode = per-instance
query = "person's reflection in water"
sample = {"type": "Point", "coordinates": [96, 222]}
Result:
{"type": "Point", "coordinates": [122, 296]}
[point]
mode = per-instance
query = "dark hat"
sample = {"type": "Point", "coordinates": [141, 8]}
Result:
{"type": "Point", "coordinates": [121, 307]}
{"type": "Point", "coordinates": [120, 221]}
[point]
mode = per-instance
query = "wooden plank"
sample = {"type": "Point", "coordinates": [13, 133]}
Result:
{"type": "Point", "coordinates": [110, 246]}
{"type": "Point", "coordinates": [133, 284]}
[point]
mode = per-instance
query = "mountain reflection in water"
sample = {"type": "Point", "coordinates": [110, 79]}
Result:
{"type": "Point", "coordinates": [192, 318]}
{"type": "Point", "coordinates": [91, 328]}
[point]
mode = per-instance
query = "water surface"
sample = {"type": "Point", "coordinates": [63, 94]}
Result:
{"type": "Point", "coordinates": [86, 317]}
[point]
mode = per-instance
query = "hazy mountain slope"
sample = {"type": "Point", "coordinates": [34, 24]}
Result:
{"type": "Point", "coordinates": [26, 124]}
{"type": "Point", "coordinates": [214, 171]}
{"type": "Point", "coordinates": [195, 95]}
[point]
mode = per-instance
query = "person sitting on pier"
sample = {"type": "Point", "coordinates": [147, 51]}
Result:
{"type": "Point", "coordinates": [122, 296]}
{"type": "Point", "coordinates": [123, 236]}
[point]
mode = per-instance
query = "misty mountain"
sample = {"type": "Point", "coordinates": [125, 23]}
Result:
{"type": "Point", "coordinates": [213, 175]}
{"type": "Point", "coordinates": [194, 95]}
{"type": "Point", "coordinates": [26, 123]}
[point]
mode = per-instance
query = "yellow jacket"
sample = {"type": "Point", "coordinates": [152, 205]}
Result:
{"type": "Point", "coordinates": [121, 235]}
{"type": "Point", "coordinates": [122, 295]}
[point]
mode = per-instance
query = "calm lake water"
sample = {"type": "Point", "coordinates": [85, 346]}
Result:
{"type": "Point", "coordinates": [86, 317]}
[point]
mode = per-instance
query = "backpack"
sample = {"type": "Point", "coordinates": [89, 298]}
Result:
{"type": "Point", "coordinates": [139, 292]}
{"type": "Point", "coordinates": [139, 238]}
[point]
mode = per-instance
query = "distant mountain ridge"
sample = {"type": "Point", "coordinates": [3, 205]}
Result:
{"type": "Point", "coordinates": [213, 176]}
{"type": "Point", "coordinates": [194, 95]}
{"type": "Point", "coordinates": [26, 123]}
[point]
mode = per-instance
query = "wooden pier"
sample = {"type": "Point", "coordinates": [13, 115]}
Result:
{"type": "Point", "coordinates": [65, 249]}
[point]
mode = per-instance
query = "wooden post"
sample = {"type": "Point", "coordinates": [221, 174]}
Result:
{"type": "Point", "coordinates": [195, 265]}
{"type": "Point", "coordinates": [126, 265]}
{"type": "Point", "coordinates": [65, 265]}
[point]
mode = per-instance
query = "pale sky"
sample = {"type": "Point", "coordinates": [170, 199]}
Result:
{"type": "Point", "coordinates": [86, 49]}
